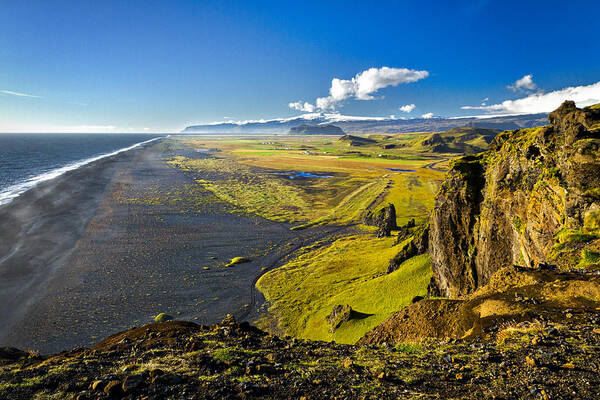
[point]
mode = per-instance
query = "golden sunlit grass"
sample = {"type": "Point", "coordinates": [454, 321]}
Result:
{"type": "Point", "coordinates": [355, 183]}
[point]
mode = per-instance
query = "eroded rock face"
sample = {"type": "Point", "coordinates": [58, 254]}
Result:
{"type": "Point", "coordinates": [384, 219]}
{"type": "Point", "coordinates": [527, 200]}
{"type": "Point", "coordinates": [418, 244]}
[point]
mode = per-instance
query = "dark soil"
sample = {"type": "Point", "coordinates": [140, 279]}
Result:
{"type": "Point", "coordinates": [182, 360]}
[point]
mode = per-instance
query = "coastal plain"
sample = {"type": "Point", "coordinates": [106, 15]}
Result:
{"type": "Point", "coordinates": [360, 299]}
{"type": "Point", "coordinates": [152, 231]}
{"type": "Point", "coordinates": [327, 181]}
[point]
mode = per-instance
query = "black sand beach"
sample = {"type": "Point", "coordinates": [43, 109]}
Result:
{"type": "Point", "coordinates": [112, 244]}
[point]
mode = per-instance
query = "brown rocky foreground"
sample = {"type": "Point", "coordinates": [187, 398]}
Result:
{"type": "Point", "coordinates": [182, 360]}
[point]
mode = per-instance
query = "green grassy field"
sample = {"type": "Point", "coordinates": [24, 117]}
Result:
{"type": "Point", "coordinates": [350, 271]}
{"type": "Point", "coordinates": [253, 178]}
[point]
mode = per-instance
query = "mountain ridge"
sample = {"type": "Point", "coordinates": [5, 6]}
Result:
{"type": "Point", "coordinates": [356, 125]}
{"type": "Point", "coordinates": [323, 129]}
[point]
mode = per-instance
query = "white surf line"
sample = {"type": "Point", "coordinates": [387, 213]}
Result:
{"type": "Point", "coordinates": [14, 191]}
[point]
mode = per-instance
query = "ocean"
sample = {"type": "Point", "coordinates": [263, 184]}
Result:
{"type": "Point", "coordinates": [27, 159]}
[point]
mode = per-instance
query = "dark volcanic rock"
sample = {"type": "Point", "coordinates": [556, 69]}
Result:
{"type": "Point", "coordinates": [384, 219]}
{"type": "Point", "coordinates": [339, 314]}
{"type": "Point", "coordinates": [532, 198]}
{"type": "Point", "coordinates": [417, 245]}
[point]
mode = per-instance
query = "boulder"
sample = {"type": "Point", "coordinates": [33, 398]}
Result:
{"type": "Point", "coordinates": [163, 317]}
{"type": "Point", "coordinates": [113, 388]}
{"type": "Point", "coordinates": [132, 382]}
{"type": "Point", "coordinates": [339, 314]}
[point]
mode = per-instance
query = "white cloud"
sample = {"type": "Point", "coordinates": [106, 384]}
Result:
{"type": "Point", "coordinates": [407, 108]}
{"type": "Point", "coordinates": [523, 84]}
{"type": "Point", "coordinates": [545, 102]}
{"type": "Point", "coordinates": [373, 79]}
{"type": "Point", "coordinates": [362, 86]}
{"type": "Point", "coordinates": [427, 116]}
{"type": "Point", "coordinates": [335, 117]}
{"type": "Point", "coordinates": [342, 88]}
{"type": "Point", "coordinates": [484, 101]}
{"type": "Point", "coordinates": [305, 107]}
{"type": "Point", "coordinates": [11, 93]}
{"type": "Point", "coordinates": [326, 103]}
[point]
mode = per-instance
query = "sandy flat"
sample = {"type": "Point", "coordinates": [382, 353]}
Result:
{"type": "Point", "coordinates": [110, 245]}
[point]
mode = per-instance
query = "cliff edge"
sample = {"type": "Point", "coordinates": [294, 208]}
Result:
{"type": "Point", "coordinates": [533, 198]}
{"type": "Point", "coordinates": [514, 237]}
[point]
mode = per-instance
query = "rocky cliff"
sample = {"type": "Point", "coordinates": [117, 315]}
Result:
{"type": "Point", "coordinates": [533, 198]}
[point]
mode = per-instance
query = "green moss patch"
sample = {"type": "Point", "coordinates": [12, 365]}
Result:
{"type": "Point", "coordinates": [237, 260]}
{"type": "Point", "coordinates": [517, 223]}
{"type": "Point", "coordinates": [589, 257]}
{"type": "Point", "coordinates": [568, 237]}
{"type": "Point", "coordinates": [350, 271]}
{"type": "Point", "coordinates": [232, 353]}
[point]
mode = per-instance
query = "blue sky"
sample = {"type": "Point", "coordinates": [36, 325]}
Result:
{"type": "Point", "coordinates": [161, 65]}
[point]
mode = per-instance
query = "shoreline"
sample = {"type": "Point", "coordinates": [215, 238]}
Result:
{"type": "Point", "coordinates": [110, 245]}
{"type": "Point", "coordinates": [8, 194]}
{"type": "Point", "coordinates": [40, 226]}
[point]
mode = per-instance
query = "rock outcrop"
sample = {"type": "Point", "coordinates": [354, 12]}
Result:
{"type": "Point", "coordinates": [534, 197]}
{"type": "Point", "coordinates": [384, 219]}
{"type": "Point", "coordinates": [339, 314]}
{"type": "Point", "coordinates": [416, 241]}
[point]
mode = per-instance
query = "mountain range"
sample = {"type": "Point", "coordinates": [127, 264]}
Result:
{"type": "Point", "coordinates": [363, 125]}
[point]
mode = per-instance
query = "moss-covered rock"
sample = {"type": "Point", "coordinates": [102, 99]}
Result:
{"type": "Point", "coordinates": [163, 317]}
{"type": "Point", "coordinates": [339, 314]}
{"type": "Point", "coordinates": [507, 205]}
{"type": "Point", "coordinates": [237, 260]}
